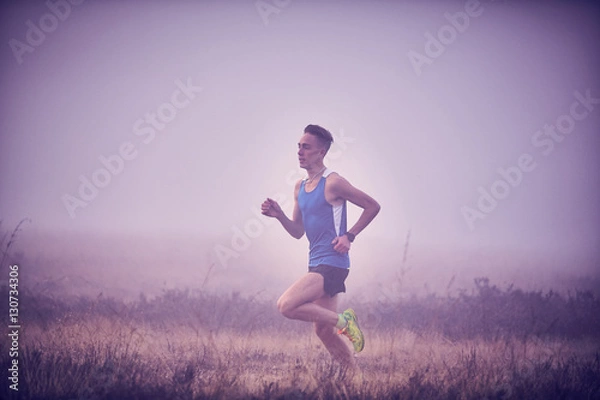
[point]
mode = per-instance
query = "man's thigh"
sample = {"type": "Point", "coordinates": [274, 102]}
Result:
{"type": "Point", "coordinates": [307, 289]}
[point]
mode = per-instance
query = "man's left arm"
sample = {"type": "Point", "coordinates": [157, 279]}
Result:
{"type": "Point", "coordinates": [342, 189]}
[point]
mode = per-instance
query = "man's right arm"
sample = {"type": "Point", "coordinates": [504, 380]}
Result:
{"type": "Point", "coordinates": [294, 226]}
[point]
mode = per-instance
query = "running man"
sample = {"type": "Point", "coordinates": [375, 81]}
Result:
{"type": "Point", "coordinates": [320, 211]}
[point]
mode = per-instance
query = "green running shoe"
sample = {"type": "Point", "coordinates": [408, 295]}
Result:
{"type": "Point", "coordinates": [352, 330]}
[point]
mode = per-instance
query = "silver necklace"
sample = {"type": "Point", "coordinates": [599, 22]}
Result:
{"type": "Point", "coordinates": [309, 180]}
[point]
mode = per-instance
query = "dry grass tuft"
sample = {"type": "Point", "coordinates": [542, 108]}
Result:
{"type": "Point", "coordinates": [100, 358]}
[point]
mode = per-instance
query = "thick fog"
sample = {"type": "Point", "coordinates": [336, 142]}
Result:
{"type": "Point", "coordinates": [146, 134]}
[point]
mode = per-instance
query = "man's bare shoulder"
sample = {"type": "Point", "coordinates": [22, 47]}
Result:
{"type": "Point", "coordinates": [335, 179]}
{"type": "Point", "coordinates": [337, 187]}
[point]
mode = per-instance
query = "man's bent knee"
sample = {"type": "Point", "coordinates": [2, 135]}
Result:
{"type": "Point", "coordinates": [284, 307]}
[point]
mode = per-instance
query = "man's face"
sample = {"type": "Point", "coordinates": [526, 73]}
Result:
{"type": "Point", "coordinates": [310, 151]}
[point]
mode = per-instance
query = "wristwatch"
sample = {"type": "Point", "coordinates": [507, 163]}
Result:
{"type": "Point", "coordinates": [351, 236]}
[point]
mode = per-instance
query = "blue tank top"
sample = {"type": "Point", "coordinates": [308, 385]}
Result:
{"type": "Point", "coordinates": [322, 223]}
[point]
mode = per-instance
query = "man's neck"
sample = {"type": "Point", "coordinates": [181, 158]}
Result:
{"type": "Point", "coordinates": [315, 170]}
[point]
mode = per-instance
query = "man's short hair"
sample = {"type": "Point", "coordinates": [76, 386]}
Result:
{"type": "Point", "coordinates": [323, 134]}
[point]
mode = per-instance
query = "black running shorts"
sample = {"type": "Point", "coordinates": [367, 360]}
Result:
{"type": "Point", "coordinates": [334, 278]}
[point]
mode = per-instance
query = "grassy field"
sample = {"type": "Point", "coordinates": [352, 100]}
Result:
{"type": "Point", "coordinates": [195, 345]}
{"type": "Point", "coordinates": [484, 342]}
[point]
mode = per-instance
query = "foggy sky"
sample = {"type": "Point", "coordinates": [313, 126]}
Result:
{"type": "Point", "coordinates": [421, 141]}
